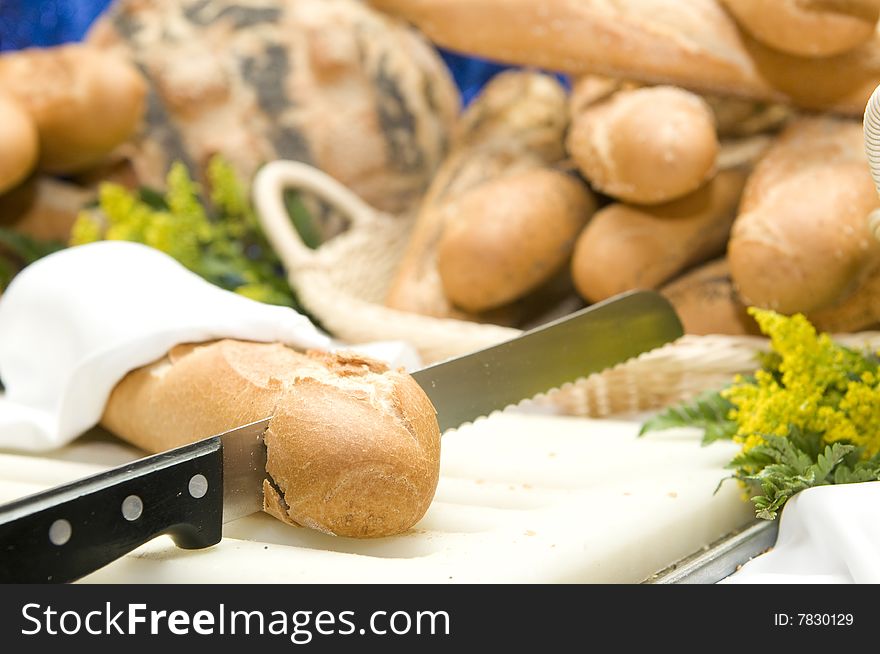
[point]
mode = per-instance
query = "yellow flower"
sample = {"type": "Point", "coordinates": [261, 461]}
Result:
{"type": "Point", "coordinates": [818, 386]}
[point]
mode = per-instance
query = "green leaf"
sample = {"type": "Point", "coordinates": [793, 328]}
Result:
{"type": "Point", "coordinates": [708, 411]}
{"type": "Point", "coordinates": [782, 467]}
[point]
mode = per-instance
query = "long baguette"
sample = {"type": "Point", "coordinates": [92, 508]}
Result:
{"type": "Point", "coordinates": [353, 447]}
{"type": "Point", "coordinates": [518, 122]}
{"type": "Point", "coordinates": [631, 246]}
{"type": "Point", "coordinates": [808, 28]}
{"type": "Point", "coordinates": [690, 43]}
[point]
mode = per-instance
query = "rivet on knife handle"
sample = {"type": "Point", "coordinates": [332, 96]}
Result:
{"type": "Point", "coordinates": [65, 533]}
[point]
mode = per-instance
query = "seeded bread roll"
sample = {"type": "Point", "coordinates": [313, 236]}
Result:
{"type": "Point", "coordinates": [353, 447]}
{"type": "Point", "coordinates": [808, 28]}
{"type": "Point", "coordinates": [801, 241]}
{"type": "Point", "coordinates": [647, 145]}
{"type": "Point", "coordinates": [84, 102]}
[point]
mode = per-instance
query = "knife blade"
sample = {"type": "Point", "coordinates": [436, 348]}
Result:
{"type": "Point", "coordinates": [587, 341]}
{"type": "Point", "coordinates": [67, 532]}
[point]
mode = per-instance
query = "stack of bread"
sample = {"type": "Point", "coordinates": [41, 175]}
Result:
{"type": "Point", "coordinates": [710, 150]}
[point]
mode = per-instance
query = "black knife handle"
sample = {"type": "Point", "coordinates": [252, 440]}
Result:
{"type": "Point", "coordinates": [67, 532]}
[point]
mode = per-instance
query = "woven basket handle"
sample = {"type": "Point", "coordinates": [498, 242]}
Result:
{"type": "Point", "coordinates": [872, 149]}
{"type": "Point", "coordinates": [269, 185]}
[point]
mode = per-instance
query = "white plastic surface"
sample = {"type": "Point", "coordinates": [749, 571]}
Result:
{"type": "Point", "coordinates": [522, 498]}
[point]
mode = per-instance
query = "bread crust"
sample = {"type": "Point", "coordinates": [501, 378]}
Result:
{"type": "Point", "coordinates": [508, 236]}
{"type": "Point", "coordinates": [694, 44]}
{"type": "Point", "coordinates": [647, 145]}
{"type": "Point", "coordinates": [801, 239]}
{"type": "Point", "coordinates": [83, 102]}
{"type": "Point", "coordinates": [353, 448]}
{"type": "Point", "coordinates": [18, 134]}
{"type": "Point", "coordinates": [808, 28]}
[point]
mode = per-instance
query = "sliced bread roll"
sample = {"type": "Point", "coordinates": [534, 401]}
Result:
{"type": "Point", "coordinates": [353, 447]}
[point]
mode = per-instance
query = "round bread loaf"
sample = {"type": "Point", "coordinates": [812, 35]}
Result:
{"type": "Point", "coordinates": [353, 447]}
{"type": "Point", "coordinates": [808, 28]}
{"type": "Point", "coordinates": [646, 145]}
{"type": "Point", "coordinates": [508, 236]}
{"type": "Point", "coordinates": [84, 102]}
{"type": "Point", "coordinates": [18, 134]}
{"type": "Point", "coordinates": [331, 83]}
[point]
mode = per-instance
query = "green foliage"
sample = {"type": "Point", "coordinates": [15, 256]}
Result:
{"type": "Point", "coordinates": [221, 241]}
{"type": "Point", "coordinates": [810, 416]}
{"type": "Point", "coordinates": [709, 411]}
{"type": "Point", "coordinates": [18, 251]}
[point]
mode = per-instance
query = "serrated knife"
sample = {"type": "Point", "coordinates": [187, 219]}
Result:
{"type": "Point", "coordinates": [188, 493]}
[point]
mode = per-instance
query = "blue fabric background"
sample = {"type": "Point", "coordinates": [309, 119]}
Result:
{"type": "Point", "coordinates": [49, 22]}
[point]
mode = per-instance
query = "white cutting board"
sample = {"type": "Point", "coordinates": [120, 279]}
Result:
{"type": "Point", "coordinates": [523, 497]}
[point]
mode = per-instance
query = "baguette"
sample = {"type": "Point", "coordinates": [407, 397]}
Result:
{"type": "Point", "coordinates": [509, 236]}
{"type": "Point", "coordinates": [626, 247]}
{"type": "Point", "coordinates": [694, 44]}
{"type": "Point", "coordinates": [808, 28]}
{"type": "Point", "coordinates": [646, 145]}
{"type": "Point", "coordinates": [18, 134]}
{"type": "Point", "coordinates": [801, 241]}
{"type": "Point", "coordinates": [517, 123]}
{"type": "Point", "coordinates": [353, 447]}
{"type": "Point", "coordinates": [84, 102]}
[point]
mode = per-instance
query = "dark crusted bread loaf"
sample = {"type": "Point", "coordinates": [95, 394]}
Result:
{"type": "Point", "coordinates": [331, 83]}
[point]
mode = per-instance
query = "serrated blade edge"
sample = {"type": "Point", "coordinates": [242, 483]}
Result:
{"type": "Point", "coordinates": [603, 335]}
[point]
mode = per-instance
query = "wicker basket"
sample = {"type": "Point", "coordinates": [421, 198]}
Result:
{"type": "Point", "coordinates": [343, 283]}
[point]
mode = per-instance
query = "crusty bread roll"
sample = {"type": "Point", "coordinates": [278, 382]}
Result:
{"type": "Point", "coordinates": [508, 236]}
{"type": "Point", "coordinates": [706, 302]}
{"type": "Point", "coordinates": [801, 240]}
{"type": "Point", "coordinates": [646, 145]}
{"type": "Point", "coordinates": [518, 122]}
{"type": "Point", "coordinates": [626, 247]}
{"type": "Point", "coordinates": [353, 447]}
{"type": "Point", "coordinates": [18, 134]}
{"type": "Point", "coordinates": [695, 44]}
{"type": "Point", "coordinates": [84, 102]}
{"type": "Point", "coordinates": [808, 28]}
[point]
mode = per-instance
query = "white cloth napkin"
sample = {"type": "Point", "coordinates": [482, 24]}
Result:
{"type": "Point", "coordinates": [74, 323]}
{"type": "Point", "coordinates": [827, 534]}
